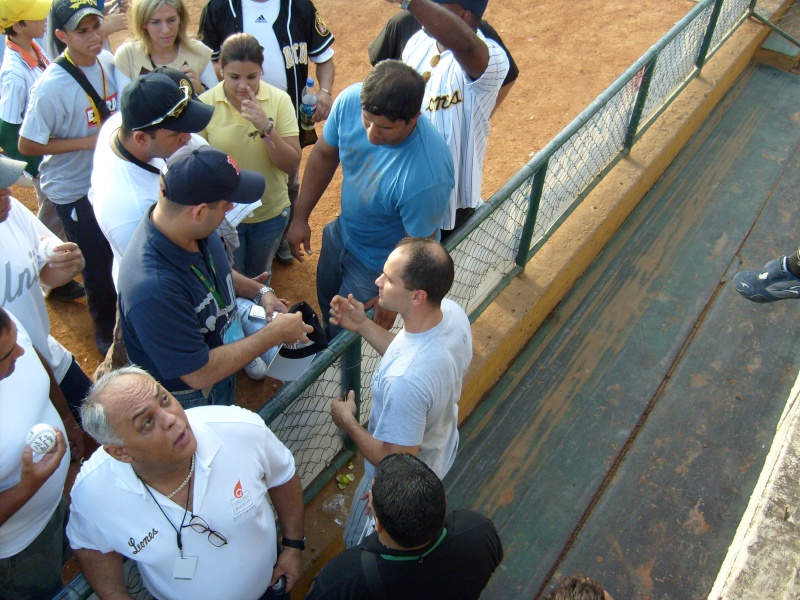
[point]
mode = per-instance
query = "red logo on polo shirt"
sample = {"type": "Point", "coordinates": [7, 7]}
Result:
{"type": "Point", "coordinates": [241, 503]}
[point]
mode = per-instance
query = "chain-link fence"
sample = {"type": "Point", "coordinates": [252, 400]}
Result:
{"type": "Point", "coordinates": [496, 242]}
{"type": "Point", "coordinates": [783, 16]}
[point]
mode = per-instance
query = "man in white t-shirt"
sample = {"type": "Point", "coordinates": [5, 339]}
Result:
{"type": "Point", "coordinates": [132, 147]}
{"type": "Point", "coordinates": [185, 494]}
{"type": "Point", "coordinates": [32, 507]}
{"type": "Point", "coordinates": [417, 385]}
{"type": "Point", "coordinates": [23, 268]}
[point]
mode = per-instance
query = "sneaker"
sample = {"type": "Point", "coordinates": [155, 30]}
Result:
{"type": "Point", "coordinates": [68, 292]}
{"type": "Point", "coordinates": [256, 369]}
{"type": "Point", "coordinates": [284, 255]}
{"type": "Point", "coordinates": [773, 282]}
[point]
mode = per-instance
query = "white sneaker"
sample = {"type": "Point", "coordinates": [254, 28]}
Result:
{"type": "Point", "coordinates": [256, 369]}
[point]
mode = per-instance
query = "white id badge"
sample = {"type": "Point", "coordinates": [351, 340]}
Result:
{"type": "Point", "coordinates": [184, 568]}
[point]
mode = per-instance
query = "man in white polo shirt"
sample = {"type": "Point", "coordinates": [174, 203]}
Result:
{"type": "Point", "coordinates": [184, 494]}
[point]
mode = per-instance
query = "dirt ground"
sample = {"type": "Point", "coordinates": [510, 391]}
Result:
{"type": "Point", "coordinates": [566, 59]}
{"type": "Point", "coordinates": [567, 55]}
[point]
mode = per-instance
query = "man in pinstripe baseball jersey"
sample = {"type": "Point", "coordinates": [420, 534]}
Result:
{"type": "Point", "coordinates": [463, 74]}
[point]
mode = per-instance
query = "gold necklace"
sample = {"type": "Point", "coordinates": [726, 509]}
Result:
{"type": "Point", "coordinates": [185, 481]}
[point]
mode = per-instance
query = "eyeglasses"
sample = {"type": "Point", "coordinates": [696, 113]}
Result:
{"type": "Point", "coordinates": [199, 525]}
{"type": "Point", "coordinates": [434, 61]}
{"type": "Point", "coordinates": [174, 112]}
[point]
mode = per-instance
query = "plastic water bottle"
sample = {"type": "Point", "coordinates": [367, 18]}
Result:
{"type": "Point", "coordinates": [308, 106]}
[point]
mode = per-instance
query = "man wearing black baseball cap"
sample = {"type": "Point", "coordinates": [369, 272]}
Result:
{"type": "Point", "coordinates": [158, 114]}
{"type": "Point", "coordinates": [178, 293]}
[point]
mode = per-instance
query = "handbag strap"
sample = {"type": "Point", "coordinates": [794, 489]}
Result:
{"type": "Point", "coordinates": [80, 77]}
{"type": "Point", "coordinates": [369, 564]}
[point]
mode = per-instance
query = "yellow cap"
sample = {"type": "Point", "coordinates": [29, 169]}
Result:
{"type": "Point", "coordinates": [12, 11]}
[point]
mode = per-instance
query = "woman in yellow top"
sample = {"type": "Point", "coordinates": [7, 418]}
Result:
{"type": "Point", "coordinates": [161, 41]}
{"type": "Point", "coordinates": [255, 123]}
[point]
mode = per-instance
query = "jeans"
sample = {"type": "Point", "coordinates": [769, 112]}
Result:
{"type": "Point", "coordinates": [35, 572]}
{"type": "Point", "coordinates": [340, 272]}
{"type": "Point", "coordinates": [357, 519]}
{"type": "Point", "coordinates": [258, 243]}
{"type": "Point", "coordinates": [81, 228]}
{"type": "Point", "coordinates": [253, 326]}
{"type": "Point", "coordinates": [222, 394]}
{"type": "Point", "coordinates": [75, 385]}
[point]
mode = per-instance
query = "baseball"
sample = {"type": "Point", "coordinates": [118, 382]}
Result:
{"type": "Point", "coordinates": [42, 438]}
{"type": "Point", "coordinates": [46, 247]}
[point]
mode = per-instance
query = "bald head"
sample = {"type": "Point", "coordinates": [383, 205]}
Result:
{"type": "Point", "coordinates": [139, 422]}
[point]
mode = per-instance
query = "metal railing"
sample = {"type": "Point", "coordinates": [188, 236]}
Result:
{"type": "Point", "coordinates": [498, 240]}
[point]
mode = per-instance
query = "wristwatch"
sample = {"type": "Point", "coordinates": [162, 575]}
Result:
{"type": "Point", "coordinates": [299, 544]}
{"type": "Point", "coordinates": [264, 290]}
{"type": "Point", "coordinates": [405, 4]}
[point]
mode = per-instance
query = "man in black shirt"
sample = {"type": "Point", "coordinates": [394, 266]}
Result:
{"type": "Point", "coordinates": [415, 551]}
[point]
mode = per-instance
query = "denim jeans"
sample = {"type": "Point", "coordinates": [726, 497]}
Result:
{"type": "Point", "coordinates": [35, 572]}
{"type": "Point", "coordinates": [258, 243]}
{"type": "Point", "coordinates": [340, 272]}
{"type": "Point", "coordinates": [222, 394]}
{"type": "Point", "coordinates": [81, 228]}
{"type": "Point", "coordinates": [357, 519]}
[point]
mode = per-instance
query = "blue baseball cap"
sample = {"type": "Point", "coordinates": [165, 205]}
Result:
{"type": "Point", "coordinates": [204, 175]}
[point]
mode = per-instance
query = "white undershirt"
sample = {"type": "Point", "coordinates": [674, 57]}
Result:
{"type": "Point", "coordinates": [257, 20]}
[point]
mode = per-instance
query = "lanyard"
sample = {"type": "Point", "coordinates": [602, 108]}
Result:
{"type": "Point", "coordinates": [209, 286]}
{"type": "Point", "coordinates": [105, 88]}
{"type": "Point", "coordinates": [418, 557]}
{"type": "Point", "coordinates": [183, 518]}
{"type": "Point", "coordinates": [131, 158]}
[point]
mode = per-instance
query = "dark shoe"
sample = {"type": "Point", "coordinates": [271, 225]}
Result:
{"type": "Point", "coordinates": [284, 255]}
{"type": "Point", "coordinates": [773, 282]}
{"type": "Point", "coordinates": [68, 292]}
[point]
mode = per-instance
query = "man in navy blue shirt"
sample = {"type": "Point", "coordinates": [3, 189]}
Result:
{"type": "Point", "coordinates": [178, 292]}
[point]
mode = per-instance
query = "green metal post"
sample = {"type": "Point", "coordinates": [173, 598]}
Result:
{"type": "Point", "coordinates": [537, 187]}
{"type": "Point", "coordinates": [351, 380]}
{"type": "Point", "coordinates": [638, 106]}
{"type": "Point", "coordinates": [712, 24]}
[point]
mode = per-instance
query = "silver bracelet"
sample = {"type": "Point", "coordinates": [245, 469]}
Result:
{"type": "Point", "coordinates": [264, 290]}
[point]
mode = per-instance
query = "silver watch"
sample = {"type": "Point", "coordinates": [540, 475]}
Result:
{"type": "Point", "coordinates": [261, 292]}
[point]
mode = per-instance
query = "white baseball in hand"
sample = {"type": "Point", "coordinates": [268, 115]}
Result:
{"type": "Point", "coordinates": [46, 247]}
{"type": "Point", "coordinates": [41, 438]}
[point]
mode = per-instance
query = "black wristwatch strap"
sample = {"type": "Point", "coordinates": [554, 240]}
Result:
{"type": "Point", "coordinates": [299, 544]}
